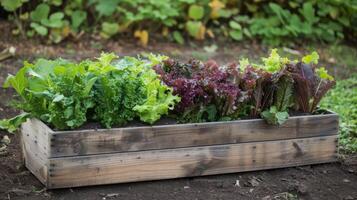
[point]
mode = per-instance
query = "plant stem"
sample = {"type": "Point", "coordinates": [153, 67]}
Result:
{"type": "Point", "coordinates": [313, 102]}
{"type": "Point", "coordinates": [19, 24]}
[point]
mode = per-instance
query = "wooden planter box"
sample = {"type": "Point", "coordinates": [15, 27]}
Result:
{"type": "Point", "coordinates": [61, 159]}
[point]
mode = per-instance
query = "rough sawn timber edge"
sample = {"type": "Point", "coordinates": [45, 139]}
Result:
{"type": "Point", "coordinates": [187, 162]}
{"type": "Point", "coordinates": [35, 144]}
{"type": "Point", "coordinates": [115, 140]}
{"type": "Point", "coordinates": [247, 145]}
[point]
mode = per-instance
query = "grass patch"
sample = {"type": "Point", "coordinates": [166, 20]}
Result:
{"type": "Point", "coordinates": [343, 100]}
{"type": "Point", "coordinates": [344, 55]}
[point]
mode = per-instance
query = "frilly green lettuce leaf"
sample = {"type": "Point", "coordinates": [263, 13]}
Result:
{"type": "Point", "coordinates": [313, 58]}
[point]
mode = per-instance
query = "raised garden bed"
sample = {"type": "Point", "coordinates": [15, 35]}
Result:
{"type": "Point", "coordinates": [206, 100]}
{"type": "Point", "coordinates": [61, 159]}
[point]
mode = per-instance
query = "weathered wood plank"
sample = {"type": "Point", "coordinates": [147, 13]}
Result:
{"type": "Point", "coordinates": [185, 162]}
{"type": "Point", "coordinates": [88, 142]}
{"type": "Point", "coordinates": [35, 147]}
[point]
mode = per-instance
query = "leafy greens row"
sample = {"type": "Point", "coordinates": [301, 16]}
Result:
{"type": "Point", "coordinates": [65, 94]}
{"type": "Point", "coordinates": [115, 91]}
{"type": "Point", "coordinates": [210, 92]}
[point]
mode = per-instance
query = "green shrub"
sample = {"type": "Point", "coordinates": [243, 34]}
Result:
{"type": "Point", "coordinates": [274, 23]}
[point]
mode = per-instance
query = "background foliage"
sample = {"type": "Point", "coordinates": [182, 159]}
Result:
{"type": "Point", "coordinates": [272, 22]}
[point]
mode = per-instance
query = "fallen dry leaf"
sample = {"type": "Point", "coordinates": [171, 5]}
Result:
{"type": "Point", "coordinates": [143, 36]}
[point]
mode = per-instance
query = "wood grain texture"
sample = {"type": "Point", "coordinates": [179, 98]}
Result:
{"type": "Point", "coordinates": [186, 162]}
{"type": "Point", "coordinates": [89, 142]}
{"type": "Point", "coordinates": [35, 147]}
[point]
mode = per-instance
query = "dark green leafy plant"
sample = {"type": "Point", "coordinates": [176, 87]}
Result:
{"type": "Point", "coordinates": [109, 29]}
{"type": "Point", "coordinates": [274, 116]}
{"type": "Point", "coordinates": [12, 5]}
{"type": "Point", "coordinates": [57, 92]}
{"type": "Point", "coordinates": [280, 24]}
{"type": "Point", "coordinates": [66, 94]}
{"type": "Point", "coordinates": [43, 21]}
{"type": "Point", "coordinates": [12, 124]}
{"type": "Point", "coordinates": [117, 90]}
{"type": "Point", "coordinates": [129, 88]}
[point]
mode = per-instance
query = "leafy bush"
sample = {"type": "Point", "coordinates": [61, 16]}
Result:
{"type": "Point", "coordinates": [307, 20]}
{"type": "Point", "coordinates": [272, 22]}
{"type": "Point", "coordinates": [343, 100]}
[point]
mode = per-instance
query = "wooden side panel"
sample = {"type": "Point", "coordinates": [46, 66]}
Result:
{"type": "Point", "coordinates": [35, 144]}
{"type": "Point", "coordinates": [88, 142]}
{"type": "Point", "coordinates": [185, 162]}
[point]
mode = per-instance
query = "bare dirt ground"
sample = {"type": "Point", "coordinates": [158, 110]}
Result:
{"type": "Point", "coordinates": [325, 181]}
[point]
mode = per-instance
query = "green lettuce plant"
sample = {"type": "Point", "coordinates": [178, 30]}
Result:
{"type": "Point", "coordinates": [65, 94]}
{"type": "Point", "coordinates": [58, 92]}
